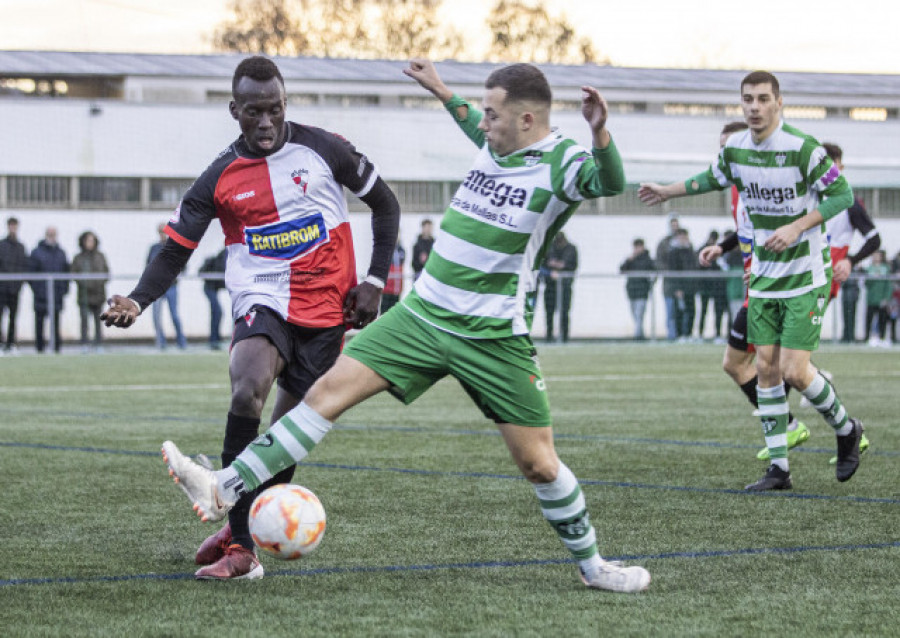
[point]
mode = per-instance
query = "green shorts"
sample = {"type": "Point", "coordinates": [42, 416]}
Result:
{"type": "Point", "coordinates": [794, 323]}
{"type": "Point", "coordinates": [501, 375]}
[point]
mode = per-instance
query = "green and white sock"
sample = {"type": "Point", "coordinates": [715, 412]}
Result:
{"type": "Point", "coordinates": [562, 504]}
{"type": "Point", "coordinates": [825, 400]}
{"type": "Point", "coordinates": [288, 441]}
{"type": "Point", "coordinates": [773, 414]}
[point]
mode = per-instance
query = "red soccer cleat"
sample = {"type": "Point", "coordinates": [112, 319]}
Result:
{"type": "Point", "coordinates": [214, 547]}
{"type": "Point", "coordinates": [237, 563]}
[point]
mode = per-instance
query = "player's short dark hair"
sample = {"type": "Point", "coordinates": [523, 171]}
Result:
{"type": "Point", "coordinates": [638, 242]}
{"type": "Point", "coordinates": [734, 127]}
{"type": "Point", "coordinates": [522, 82]}
{"type": "Point", "coordinates": [762, 77]}
{"type": "Point", "coordinates": [834, 151]}
{"type": "Point", "coordinates": [12, 220]}
{"type": "Point", "coordinates": [257, 68]}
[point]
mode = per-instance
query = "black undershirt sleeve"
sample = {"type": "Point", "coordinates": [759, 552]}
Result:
{"type": "Point", "coordinates": [872, 244]}
{"type": "Point", "coordinates": [729, 243]}
{"type": "Point", "coordinates": [385, 224]}
{"type": "Point", "coordinates": [160, 273]}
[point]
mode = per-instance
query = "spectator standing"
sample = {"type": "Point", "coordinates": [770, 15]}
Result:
{"type": "Point", "coordinates": [878, 295]}
{"type": "Point", "coordinates": [712, 290]}
{"type": "Point", "coordinates": [638, 288]}
{"type": "Point", "coordinates": [13, 259]}
{"type": "Point", "coordinates": [170, 297]}
{"type": "Point", "coordinates": [48, 257]}
{"type": "Point", "coordinates": [683, 290]}
{"type": "Point", "coordinates": [214, 269]}
{"type": "Point", "coordinates": [91, 292]}
{"type": "Point", "coordinates": [393, 287]}
{"type": "Point", "coordinates": [422, 247]}
{"type": "Point", "coordinates": [560, 264]}
{"type": "Point", "coordinates": [662, 263]}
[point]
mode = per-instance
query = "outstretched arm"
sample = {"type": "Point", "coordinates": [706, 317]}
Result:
{"type": "Point", "coordinates": [423, 72]}
{"type": "Point", "coordinates": [156, 279]}
{"type": "Point", "coordinates": [464, 114]}
{"type": "Point", "coordinates": [595, 112]}
{"type": "Point", "coordinates": [652, 193]}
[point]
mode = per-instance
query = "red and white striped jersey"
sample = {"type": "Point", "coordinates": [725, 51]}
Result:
{"type": "Point", "coordinates": [285, 222]}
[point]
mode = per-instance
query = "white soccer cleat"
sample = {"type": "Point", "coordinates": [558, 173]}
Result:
{"type": "Point", "coordinates": [198, 482]}
{"type": "Point", "coordinates": [613, 576]}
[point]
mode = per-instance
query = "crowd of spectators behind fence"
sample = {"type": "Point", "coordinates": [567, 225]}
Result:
{"type": "Point", "coordinates": [879, 278]}
{"type": "Point", "coordinates": [89, 270]}
{"type": "Point", "coordinates": [689, 300]}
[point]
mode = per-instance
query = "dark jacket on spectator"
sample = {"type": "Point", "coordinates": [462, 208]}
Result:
{"type": "Point", "coordinates": [638, 287]}
{"type": "Point", "coordinates": [48, 258]}
{"type": "Point", "coordinates": [13, 258]}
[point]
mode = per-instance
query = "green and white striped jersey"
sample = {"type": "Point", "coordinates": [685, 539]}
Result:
{"type": "Point", "coordinates": [780, 180]}
{"type": "Point", "coordinates": [480, 279]}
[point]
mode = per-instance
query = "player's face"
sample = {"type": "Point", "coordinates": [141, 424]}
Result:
{"type": "Point", "coordinates": [259, 109]}
{"type": "Point", "coordinates": [500, 122]}
{"type": "Point", "coordinates": [762, 110]}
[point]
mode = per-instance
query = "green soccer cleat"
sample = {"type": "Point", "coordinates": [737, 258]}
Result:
{"type": "Point", "coordinates": [863, 446]}
{"type": "Point", "coordinates": [795, 438]}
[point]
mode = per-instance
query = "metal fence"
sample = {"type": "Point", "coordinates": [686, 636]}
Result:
{"type": "Point", "coordinates": [599, 306]}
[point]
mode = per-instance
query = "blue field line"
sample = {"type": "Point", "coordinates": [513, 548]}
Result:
{"type": "Point", "coordinates": [560, 436]}
{"type": "Point", "coordinates": [322, 571]}
{"type": "Point", "coordinates": [505, 477]}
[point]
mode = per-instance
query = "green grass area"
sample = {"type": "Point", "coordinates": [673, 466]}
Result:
{"type": "Point", "coordinates": [430, 529]}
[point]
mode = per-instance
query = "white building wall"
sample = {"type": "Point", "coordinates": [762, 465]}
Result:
{"type": "Point", "coordinates": [52, 137]}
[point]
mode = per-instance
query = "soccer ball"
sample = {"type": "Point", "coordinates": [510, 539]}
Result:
{"type": "Point", "coordinates": [287, 521]}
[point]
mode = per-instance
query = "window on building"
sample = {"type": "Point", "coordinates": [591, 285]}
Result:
{"type": "Point", "coordinates": [166, 193]}
{"type": "Point", "coordinates": [889, 202]}
{"type": "Point", "coordinates": [346, 101]}
{"type": "Point", "coordinates": [109, 191]}
{"type": "Point", "coordinates": [38, 191]}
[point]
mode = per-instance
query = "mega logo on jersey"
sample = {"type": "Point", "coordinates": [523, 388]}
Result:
{"type": "Point", "coordinates": [287, 240]}
{"type": "Point", "coordinates": [499, 193]}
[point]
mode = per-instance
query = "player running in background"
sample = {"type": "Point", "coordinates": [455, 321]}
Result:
{"type": "Point", "coordinates": [782, 175]}
{"type": "Point", "coordinates": [278, 193]}
{"type": "Point", "coordinates": [739, 361]}
{"type": "Point", "coordinates": [469, 313]}
{"type": "Point", "coordinates": [840, 235]}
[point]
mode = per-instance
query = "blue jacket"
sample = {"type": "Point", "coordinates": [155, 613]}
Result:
{"type": "Point", "coordinates": [47, 258]}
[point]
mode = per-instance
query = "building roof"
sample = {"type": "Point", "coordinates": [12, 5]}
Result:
{"type": "Point", "coordinates": [62, 64]}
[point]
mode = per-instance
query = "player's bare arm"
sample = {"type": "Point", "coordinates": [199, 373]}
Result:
{"type": "Point", "coordinates": [595, 112]}
{"type": "Point", "coordinates": [652, 193]}
{"type": "Point", "coordinates": [121, 313]}
{"type": "Point", "coordinates": [785, 236]}
{"type": "Point", "coordinates": [423, 72]}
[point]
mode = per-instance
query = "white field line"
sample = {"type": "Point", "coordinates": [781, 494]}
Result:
{"type": "Point", "coordinates": [578, 378]}
{"type": "Point", "coordinates": [108, 388]}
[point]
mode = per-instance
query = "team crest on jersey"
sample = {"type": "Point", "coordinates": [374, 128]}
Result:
{"type": "Point", "coordinates": [532, 158]}
{"type": "Point", "coordinates": [250, 317]}
{"type": "Point", "coordinates": [301, 178]}
{"type": "Point", "coordinates": [780, 158]}
{"type": "Point", "coordinates": [820, 303]}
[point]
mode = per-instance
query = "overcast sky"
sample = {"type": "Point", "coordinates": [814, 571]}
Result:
{"type": "Point", "coordinates": [825, 35]}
